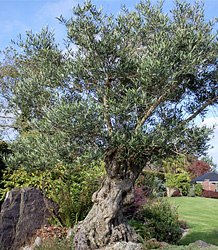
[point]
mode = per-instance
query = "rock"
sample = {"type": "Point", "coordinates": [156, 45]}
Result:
{"type": "Point", "coordinates": [200, 243]}
{"type": "Point", "coordinates": [70, 233]}
{"type": "Point", "coordinates": [164, 244]}
{"type": "Point", "coordinates": [123, 246]}
{"type": "Point", "coordinates": [37, 243]}
{"type": "Point", "coordinates": [23, 212]}
{"type": "Point", "coordinates": [173, 192]}
{"type": "Point", "coordinates": [185, 232]}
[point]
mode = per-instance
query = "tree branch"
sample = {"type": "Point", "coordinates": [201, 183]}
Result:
{"type": "Point", "coordinates": [154, 106]}
{"type": "Point", "coordinates": [107, 118]}
{"type": "Point", "coordinates": [8, 117]}
{"type": "Point", "coordinates": [200, 110]}
{"type": "Point", "coordinates": [7, 126]}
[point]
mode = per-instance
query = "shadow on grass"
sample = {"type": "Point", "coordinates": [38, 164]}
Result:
{"type": "Point", "coordinates": [210, 237]}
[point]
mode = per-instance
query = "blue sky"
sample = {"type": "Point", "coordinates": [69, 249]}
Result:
{"type": "Point", "coordinates": [17, 16]}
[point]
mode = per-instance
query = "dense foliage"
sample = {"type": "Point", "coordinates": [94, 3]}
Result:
{"type": "Point", "coordinates": [160, 68]}
{"type": "Point", "coordinates": [197, 168]}
{"type": "Point", "coordinates": [159, 220]}
{"type": "Point", "coordinates": [174, 165]}
{"type": "Point", "coordinates": [70, 186]}
{"type": "Point", "coordinates": [148, 215]}
{"type": "Point", "coordinates": [198, 189]}
{"type": "Point", "coordinates": [180, 181]}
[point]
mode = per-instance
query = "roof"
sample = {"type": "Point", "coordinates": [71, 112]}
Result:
{"type": "Point", "coordinates": [208, 176]}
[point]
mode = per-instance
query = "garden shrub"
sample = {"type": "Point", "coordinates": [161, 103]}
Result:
{"type": "Point", "coordinates": [180, 181]}
{"type": "Point", "coordinates": [152, 182]}
{"type": "Point", "coordinates": [158, 220]}
{"type": "Point", "coordinates": [209, 194]}
{"type": "Point", "coordinates": [198, 189]}
{"type": "Point", "coordinates": [141, 199]}
{"type": "Point", "coordinates": [70, 186]}
{"type": "Point", "coordinates": [148, 185]}
{"type": "Point", "coordinates": [4, 153]}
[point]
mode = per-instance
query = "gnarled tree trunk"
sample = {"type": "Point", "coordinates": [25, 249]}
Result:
{"type": "Point", "coordinates": [105, 222]}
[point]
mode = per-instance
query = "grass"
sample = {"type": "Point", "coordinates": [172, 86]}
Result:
{"type": "Point", "coordinates": [201, 215]}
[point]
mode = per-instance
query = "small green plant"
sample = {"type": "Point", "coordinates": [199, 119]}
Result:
{"type": "Point", "coordinates": [56, 244]}
{"type": "Point", "coordinates": [50, 232]}
{"type": "Point", "coordinates": [54, 238]}
{"type": "Point", "coordinates": [198, 189]}
{"type": "Point", "coordinates": [150, 244]}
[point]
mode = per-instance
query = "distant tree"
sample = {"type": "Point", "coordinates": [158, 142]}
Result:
{"type": "Point", "coordinates": [209, 160]}
{"type": "Point", "coordinates": [130, 91]}
{"type": "Point", "coordinates": [197, 168]}
{"type": "Point", "coordinates": [174, 165]}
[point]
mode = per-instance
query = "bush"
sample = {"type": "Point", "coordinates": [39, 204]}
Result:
{"type": "Point", "coordinates": [180, 181]}
{"type": "Point", "coordinates": [141, 198]}
{"type": "Point", "coordinates": [152, 182]}
{"type": "Point", "coordinates": [148, 185]}
{"type": "Point", "coordinates": [209, 194]}
{"type": "Point", "coordinates": [158, 220]}
{"type": "Point", "coordinates": [198, 189]}
{"type": "Point", "coordinates": [70, 186]}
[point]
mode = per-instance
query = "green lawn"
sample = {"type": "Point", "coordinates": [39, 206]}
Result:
{"type": "Point", "coordinates": [201, 215]}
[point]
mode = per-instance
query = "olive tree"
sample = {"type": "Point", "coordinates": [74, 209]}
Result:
{"type": "Point", "coordinates": [149, 74]}
{"type": "Point", "coordinates": [133, 83]}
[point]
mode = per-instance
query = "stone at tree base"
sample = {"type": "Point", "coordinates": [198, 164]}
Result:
{"type": "Point", "coordinates": [123, 245]}
{"type": "Point", "coordinates": [37, 243]}
{"type": "Point", "coordinates": [201, 244]}
{"type": "Point", "coordinates": [23, 212]}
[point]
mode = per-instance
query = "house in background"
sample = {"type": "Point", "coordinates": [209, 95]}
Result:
{"type": "Point", "coordinates": [209, 181]}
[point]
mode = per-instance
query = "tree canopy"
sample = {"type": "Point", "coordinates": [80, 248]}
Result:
{"type": "Point", "coordinates": [134, 81]}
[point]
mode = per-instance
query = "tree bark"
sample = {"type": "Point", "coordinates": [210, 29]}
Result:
{"type": "Point", "coordinates": [105, 222]}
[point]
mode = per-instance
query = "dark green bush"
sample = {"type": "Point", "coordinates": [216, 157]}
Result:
{"type": "Point", "coordinates": [158, 220]}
